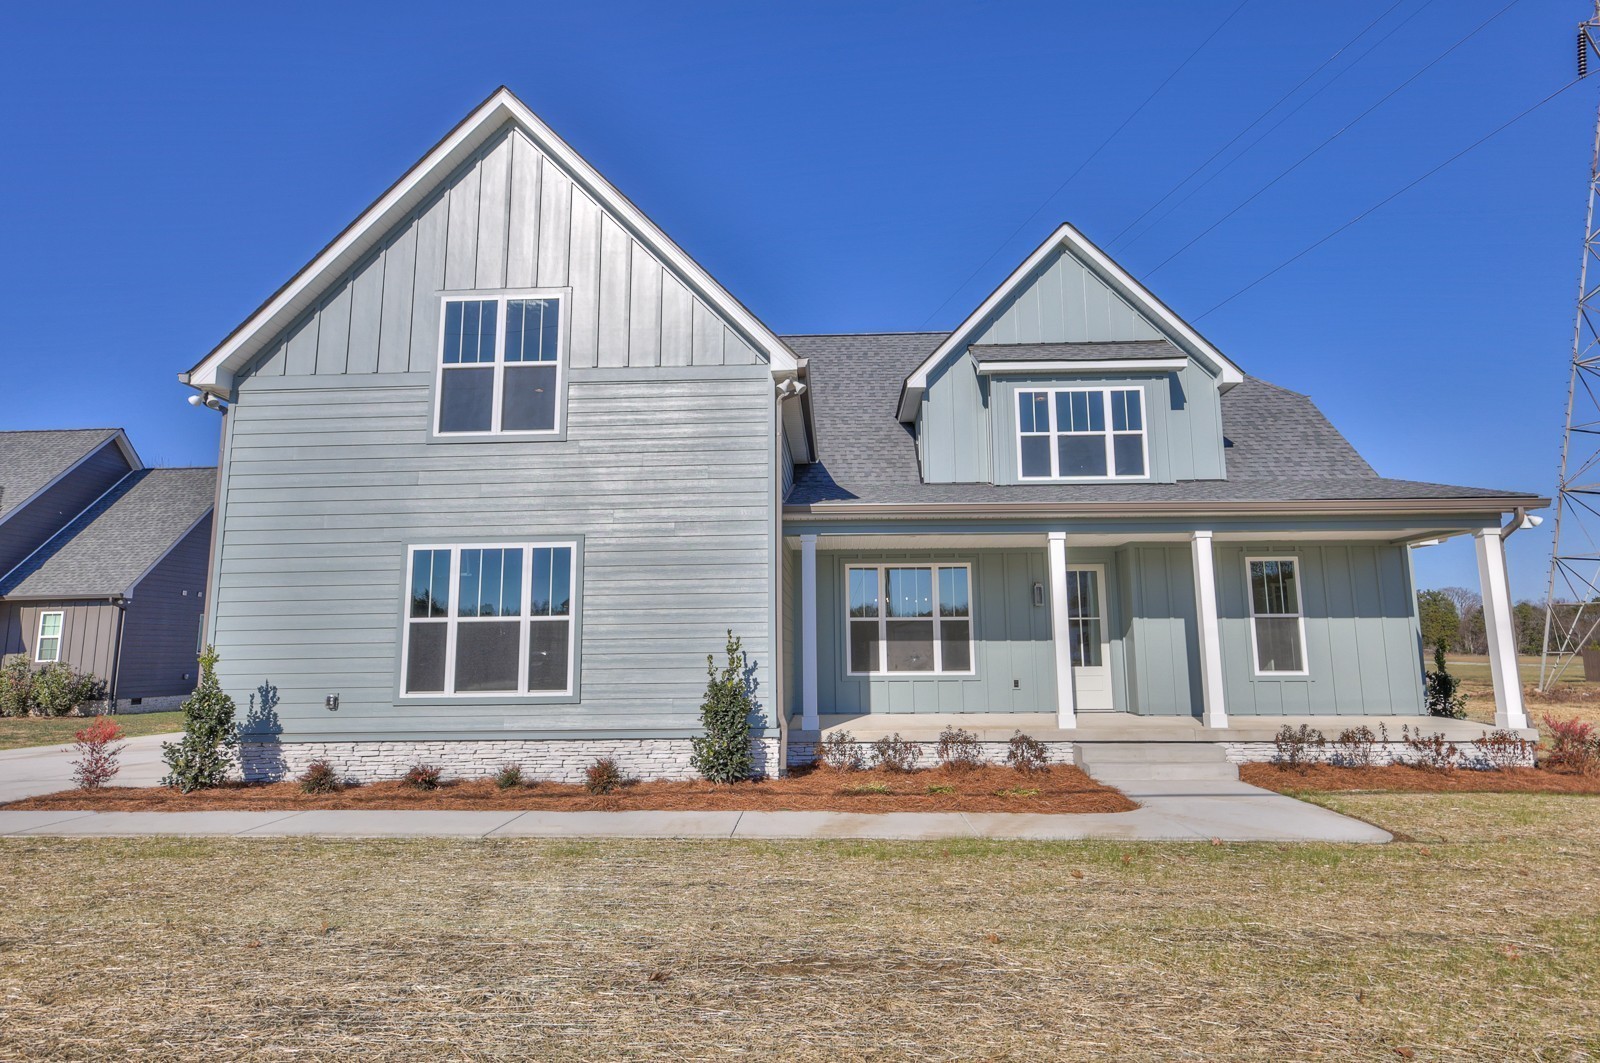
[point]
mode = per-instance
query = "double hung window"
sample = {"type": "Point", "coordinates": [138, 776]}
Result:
{"type": "Point", "coordinates": [1277, 621]}
{"type": "Point", "coordinates": [500, 366]}
{"type": "Point", "coordinates": [484, 620]}
{"type": "Point", "coordinates": [47, 648]}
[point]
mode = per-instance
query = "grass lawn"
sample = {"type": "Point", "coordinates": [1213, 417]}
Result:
{"type": "Point", "coordinates": [55, 731]}
{"type": "Point", "coordinates": [1478, 940]}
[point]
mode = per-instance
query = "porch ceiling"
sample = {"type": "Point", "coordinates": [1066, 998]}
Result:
{"type": "Point", "coordinates": [889, 540]}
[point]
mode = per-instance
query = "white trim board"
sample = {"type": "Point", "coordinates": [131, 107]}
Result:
{"type": "Point", "coordinates": [1129, 365]}
{"type": "Point", "coordinates": [214, 372]}
{"type": "Point", "coordinates": [1067, 238]}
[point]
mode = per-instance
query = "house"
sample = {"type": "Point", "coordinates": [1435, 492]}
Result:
{"type": "Point", "coordinates": [502, 464]}
{"type": "Point", "coordinates": [103, 562]}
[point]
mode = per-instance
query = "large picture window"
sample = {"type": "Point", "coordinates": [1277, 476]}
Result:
{"type": "Point", "coordinates": [483, 620]}
{"type": "Point", "coordinates": [1081, 434]}
{"type": "Point", "coordinates": [909, 619]}
{"type": "Point", "coordinates": [1277, 622]}
{"type": "Point", "coordinates": [500, 365]}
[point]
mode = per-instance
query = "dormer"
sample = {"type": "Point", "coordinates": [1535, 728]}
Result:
{"type": "Point", "coordinates": [1070, 372]}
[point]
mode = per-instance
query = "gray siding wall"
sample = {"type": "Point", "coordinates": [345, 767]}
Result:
{"type": "Point", "coordinates": [27, 528]}
{"type": "Point", "coordinates": [161, 636]}
{"type": "Point", "coordinates": [1011, 639]}
{"type": "Point", "coordinates": [88, 632]}
{"type": "Point", "coordinates": [1064, 302]}
{"type": "Point", "coordinates": [1363, 640]}
{"type": "Point", "coordinates": [667, 474]}
{"type": "Point", "coordinates": [509, 218]}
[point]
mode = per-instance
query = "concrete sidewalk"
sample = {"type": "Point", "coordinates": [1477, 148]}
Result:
{"type": "Point", "coordinates": [1182, 812]}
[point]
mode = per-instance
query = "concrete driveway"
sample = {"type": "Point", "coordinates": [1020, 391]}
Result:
{"type": "Point", "coordinates": [46, 769]}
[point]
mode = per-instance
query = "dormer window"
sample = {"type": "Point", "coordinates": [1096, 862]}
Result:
{"type": "Point", "coordinates": [500, 365]}
{"type": "Point", "coordinates": [1081, 434]}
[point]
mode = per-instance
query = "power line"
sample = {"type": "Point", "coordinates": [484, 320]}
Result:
{"type": "Point", "coordinates": [1497, 130]}
{"type": "Point", "coordinates": [1092, 156]}
{"type": "Point", "coordinates": [1260, 117]}
{"type": "Point", "coordinates": [1336, 135]}
{"type": "Point", "coordinates": [1275, 126]}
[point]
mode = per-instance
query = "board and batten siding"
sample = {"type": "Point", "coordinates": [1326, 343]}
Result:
{"type": "Point", "coordinates": [161, 636]}
{"type": "Point", "coordinates": [1157, 595]}
{"type": "Point", "coordinates": [510, 217]}
{"type": "Point", "coordinates": [29, 527]}
{"type": "Point", "coordinates": [88, 632]}
{"type": "Point", "coordinates": [666, 475]}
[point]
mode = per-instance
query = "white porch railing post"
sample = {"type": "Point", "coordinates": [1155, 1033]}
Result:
{"type": "Point", "coordinates": [809, 720]}
{"type": "Point", "coordinates": [1213, 694]}
{"type": "Point", "coordinates": [1060, 625]}
{"type": "Point", "coordinates": [1495, 585]}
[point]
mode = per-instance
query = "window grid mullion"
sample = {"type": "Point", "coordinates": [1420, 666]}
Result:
{"type": "Point", "coordinates": [524, 623]}
{"type": "Point", "coordinates": [938, 651]}
{"type": "Point", "coordinates": [452, 615]}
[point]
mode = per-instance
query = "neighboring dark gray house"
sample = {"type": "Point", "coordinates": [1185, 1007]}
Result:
{"type": "Point", "coordinates": [503, 464]}
{"type": "Point", "coordinates": [103, 561]}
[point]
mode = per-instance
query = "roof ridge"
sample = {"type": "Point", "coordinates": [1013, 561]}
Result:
{"type": "Point", "coordinates": [837, 335]}
{"type": "Point", "coordinates": [1078, 343]}
{"type": "Point", "coordinates": [37, 431]}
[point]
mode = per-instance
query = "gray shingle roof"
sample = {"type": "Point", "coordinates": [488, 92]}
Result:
{"type": "Point", "coordinates": [1280, 446]}
{"type": "Point", "coordinates": [29, 460]}
{"type": "Point", "coordinates": [1074, 352]}
{"type": "Point", "coordinates": [115, 541]}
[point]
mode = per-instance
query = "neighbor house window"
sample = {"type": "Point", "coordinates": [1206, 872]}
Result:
{"type": "Point", "coordinates": [1277, 624]}
{"type": "Point", "coordinates": [1081, 434]}
{"type": "Point", "coordinates": [486, 620]}
{"type": "Point", "coordinates": [500, 365]}
{"type": "Point", "coordinates": [907, 619]}
{"type": "Point", "coordinates": [47, 648]}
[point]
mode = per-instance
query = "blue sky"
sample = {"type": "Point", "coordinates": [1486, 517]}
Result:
{"type": "Point", "coordinates": [842, 167]}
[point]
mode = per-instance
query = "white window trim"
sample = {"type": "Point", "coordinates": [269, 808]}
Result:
{"type": "Point", "coordinates": [38, 642]}
{"type": "Point", "coordinates": [1109, 433]}
{"type": "Point", "coordinates": [502, 297]}
{"type": "Point", "coordinates": [453, 620]}
{"type": "Point", "coordinates": [1299, 615]}
{"type": "Point", "coordinates": [883, 619]}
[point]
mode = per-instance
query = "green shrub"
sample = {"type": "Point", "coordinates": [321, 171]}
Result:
{"type": "Point", "coordinates": [320, 778]}
{"type": "Point", "coordinates": [603, 776]}
{"type": "Point", "coordinates": [723, 754]}
{"type": "Point", "coordinates": [509, 777]}
{"type": "Point", "coordinates": [58, 690]}
{"type": "Point", "coordinates": [16, 686]}
{"type": "Point", "coordinates": [202, 758]}
{"type": "Point", "coordinates": [1441, 690]}
{"type": "Point", "coordinates": [1027, 754]}
{"type": "Point", "coordinates": [423, 777]}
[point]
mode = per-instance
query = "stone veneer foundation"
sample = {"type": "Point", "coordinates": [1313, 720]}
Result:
{"type": "Point", "coordinates": [1382, 753]}
{"type": "Point", "coordinates": [554, 760]}
{"type": "Point", "coordinates": [804, 753]}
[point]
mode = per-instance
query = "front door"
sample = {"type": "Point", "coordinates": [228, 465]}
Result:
{"type": "Point", "coordinates": [1088, 636]}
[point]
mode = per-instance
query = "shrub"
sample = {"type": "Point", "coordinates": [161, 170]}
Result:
{"type": "Point", "coordinates": [320, 778]}
{"type": "Point", "coordinates": [1574, 745]}
{"type": "Point", "coordinates": [1027, 754]}
{"type": "Point", "coordinates": [422, 776]}
{"type": "Point", "coordinates": [1295, 746]}
{"type": "Point", "coordinates": [1354, 748]}
{"type": "Point", "coordinates": [723, 753]}
{"type": "Point", "coordinates": [958, 750]}
{"type": "Point", "coordinates": [1440, 689]}
{"type": "Point", "coordinates": [603, 776]}
{"type": "Point", "coordinates": [16, 685]}
{"type": "Point", "coordinates": [1431, 752]}
{"type": "Point", "coordinates": [509, 777]}
{"type": "Point", "coordinates": [893, 753]}
{"type": "Point", "coordinates": [839, 751]}
{"type": "Point", "coordinates": [1499, 750]}
{"type": "Point", "coordinates": [58, 690]}
{"type": "Point", "coordinates": [98, 745]}
{"type": "Point", "coordinates": [202, 758]}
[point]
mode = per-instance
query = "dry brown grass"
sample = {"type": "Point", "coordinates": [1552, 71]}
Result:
{"type": "Point", "coordinates": [1403, 778]}
{"type": "Point", "coordinates": [1481, 942]}
{"type": "Point", "coordinates": [1062, 788]}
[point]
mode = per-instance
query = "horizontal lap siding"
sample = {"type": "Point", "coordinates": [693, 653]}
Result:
{"type": "Point", "coordinates": [666, 474]}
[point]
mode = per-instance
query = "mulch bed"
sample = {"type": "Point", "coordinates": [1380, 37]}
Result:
{"type": "Point", "coordinates": [1407, 779]}
{"type": "Point", "coordinates": [1061, 788]}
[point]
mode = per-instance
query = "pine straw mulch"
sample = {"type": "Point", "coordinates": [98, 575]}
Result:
{"type": "Point", "coordinates": [1403, 778]}
{"type": "Point", "coordinates": [1060, 788]}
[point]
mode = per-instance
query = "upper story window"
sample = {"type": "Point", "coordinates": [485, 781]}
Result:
{"type": "Point", "coordinates": [1081, 434]}
{"type": "Point", "coordinates": [500, 365]}
{"type": "Point", "coordinates": [1277, 619]}
{"type": "Point", "coordinates": [486, 620]}
{"type": "Point", "coordinates": [907, 619]}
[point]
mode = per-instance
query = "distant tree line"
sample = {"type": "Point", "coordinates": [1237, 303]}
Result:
{"type": "Point", "coordinates": [1453, 617]}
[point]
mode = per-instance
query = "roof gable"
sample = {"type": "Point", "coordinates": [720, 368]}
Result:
{"type": "Point", "coordinates": [1068, 291]}
{"type": "Point", "coordinates": [31, 461]}
{"type": "Point", "coordinates": [420, 185]}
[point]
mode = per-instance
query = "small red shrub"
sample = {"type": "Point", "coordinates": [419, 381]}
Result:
{"type": "Point", "coordinates": [99, 746]}
{"type": "Point", "coordinates": [423, 777]}
{"type": "Point", "coordinates": [1574, 745]}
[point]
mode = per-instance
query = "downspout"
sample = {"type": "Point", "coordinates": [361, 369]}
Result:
{"type": "Point", "coordinates": [120, 602]}
{"type": "Point", "coordinates": [788, 388]}
{"type": "Point", "coordinates": [208, 592]}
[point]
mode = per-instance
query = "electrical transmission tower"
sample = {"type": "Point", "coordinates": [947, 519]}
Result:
{"type": "Point", "coordinates": [1572, 600]}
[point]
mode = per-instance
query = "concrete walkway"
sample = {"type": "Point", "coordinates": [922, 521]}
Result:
{"type": "Point", "coordinates": [46, 769]}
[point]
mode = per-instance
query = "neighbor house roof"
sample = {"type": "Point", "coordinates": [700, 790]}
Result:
{"type": "Point", "coordinates": [111, 545]}
{"type": "Point", "coordinates": [1280, 448]}
{"type": "Point", "coordinates": [30, 461]}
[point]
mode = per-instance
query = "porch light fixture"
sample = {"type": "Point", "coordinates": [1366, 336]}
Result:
{"type": "Point", "coordinates": [1038, 593]}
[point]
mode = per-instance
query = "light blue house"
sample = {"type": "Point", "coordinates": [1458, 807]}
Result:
{"type": "Point", "coordinates": [502, 464]}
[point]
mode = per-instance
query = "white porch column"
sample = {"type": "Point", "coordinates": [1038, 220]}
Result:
{"type": "Point", "coordinates": [1508, 707]}
{"type": "Point", "coordinates": [1213, 697]}
{"type": "Point", "coordinates": [809, 720]}
{"type": "Point", "coordinates": [1066, 709]}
